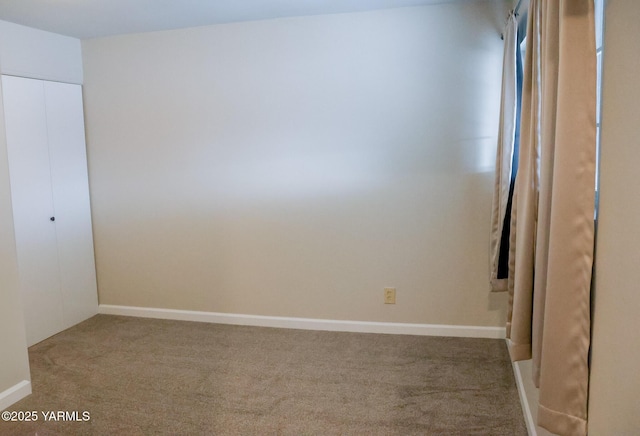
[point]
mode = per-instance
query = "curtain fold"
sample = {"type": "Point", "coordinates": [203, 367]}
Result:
{"type": "Point", "coordinates": [504, 155]}
{"type": "Point", "coordinates": [552, 227]}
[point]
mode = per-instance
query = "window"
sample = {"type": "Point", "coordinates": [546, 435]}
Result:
{"type": "Point", "coordinates": [599, 14]}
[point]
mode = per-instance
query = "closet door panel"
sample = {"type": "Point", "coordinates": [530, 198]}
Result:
{"type": "Point", "coordinates": [30, 176]}
{"type": "Point", "coordinates": [68, 159]}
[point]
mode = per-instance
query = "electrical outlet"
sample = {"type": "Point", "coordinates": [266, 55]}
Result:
{"type": "Point", "coordinates": [389, 295]}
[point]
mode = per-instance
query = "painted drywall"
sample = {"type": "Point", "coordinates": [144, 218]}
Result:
{"type": "Point", "coordinates": [14, 362]}
{"type": "Point", "coordinates": [615, 383]}
{"type": "Point", "coordinates": [296, 167]}
{"type": "Point", "coordinates": [37, 54]}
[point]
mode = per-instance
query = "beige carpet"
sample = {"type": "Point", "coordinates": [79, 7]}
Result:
{"type": "Point", "coordinates": [141, 377]}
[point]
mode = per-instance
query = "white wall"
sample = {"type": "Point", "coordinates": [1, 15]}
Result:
{"type": "Point", "coordinates": [296, 167]}
{"type": "Point", "coordinates": [615, 378]}
{"type": "Point", "coordinates": [34, 53]}
{"type": "Point", "coordinates": [14, 363]}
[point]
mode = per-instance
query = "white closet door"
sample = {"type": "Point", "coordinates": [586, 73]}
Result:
{"type": "Point", "coordinates": [31, 191]}
{"type": "Point", "coordinates": [68, 161]}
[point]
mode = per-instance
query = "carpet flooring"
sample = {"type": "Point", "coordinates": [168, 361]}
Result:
{"type": "Point", "coordinates": [113, 375]}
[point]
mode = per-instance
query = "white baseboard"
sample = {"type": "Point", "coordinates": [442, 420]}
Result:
{"type": "Point", "coordinates": [524, 402]}
{"type": "Point", "coordinates": [527, 396]}
{"type": "Point", "coordinates": [14, 394]}
{"type": "Point", "coordinates": [307, 323]}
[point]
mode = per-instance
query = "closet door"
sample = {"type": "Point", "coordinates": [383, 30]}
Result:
{"type": "Point", "coordinates": [70, 190]}
{"type": "Point", "coordinates": [51, 209]}
{"type": "Point", "coordinates": [31, 192]}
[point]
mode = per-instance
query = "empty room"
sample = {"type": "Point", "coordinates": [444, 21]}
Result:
{"type": "Point", "coordinates": [319, 217]}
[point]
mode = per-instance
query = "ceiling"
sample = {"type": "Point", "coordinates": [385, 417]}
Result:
{"type": "Point", "coordinates": [97, 18]}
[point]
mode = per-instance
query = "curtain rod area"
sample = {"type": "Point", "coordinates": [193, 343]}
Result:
{"type": "Point", "coordinates": [515, 11]}
{"type": "Point", "coordinates": [517, 8]}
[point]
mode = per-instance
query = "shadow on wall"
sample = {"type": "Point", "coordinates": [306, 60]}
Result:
{"type": "Point", "coordinates": [299, 166]}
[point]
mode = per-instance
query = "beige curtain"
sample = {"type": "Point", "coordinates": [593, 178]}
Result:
{"type": "Point", "coordinates": [504, 155]}
{"type": "Point", "coordinates": [552, 233]}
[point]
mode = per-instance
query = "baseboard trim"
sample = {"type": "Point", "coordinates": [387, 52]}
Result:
{"type": "Point", "coordinates": [532, 428]}
{"type": "Point", "coordinates": [14, 394]}
{"type": "Point", "coordinates": [307, 323]}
